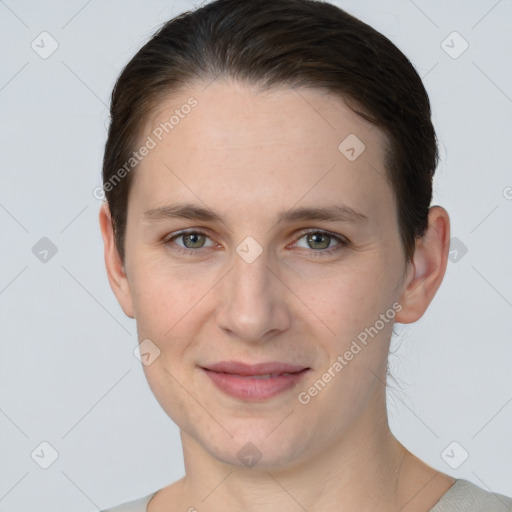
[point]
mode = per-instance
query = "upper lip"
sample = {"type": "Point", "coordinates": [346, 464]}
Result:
{"type": "Point", "coordinates": [254, 369]}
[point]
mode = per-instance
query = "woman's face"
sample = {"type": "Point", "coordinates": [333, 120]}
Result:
{"type": "Point", "coordinates": [256, 283]}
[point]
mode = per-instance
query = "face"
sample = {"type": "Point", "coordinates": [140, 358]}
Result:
{"type": "Point", "coordinates": [291, 255]}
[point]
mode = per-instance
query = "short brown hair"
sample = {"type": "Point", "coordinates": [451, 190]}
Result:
{"type": "Point", "coordinates": [273, 43]}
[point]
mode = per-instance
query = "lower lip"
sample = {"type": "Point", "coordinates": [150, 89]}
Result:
{"type": "Point", "coordinates": [252, 389]}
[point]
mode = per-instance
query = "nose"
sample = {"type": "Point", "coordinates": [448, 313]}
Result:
{"type": "Point", "coordinates": [254, 301]}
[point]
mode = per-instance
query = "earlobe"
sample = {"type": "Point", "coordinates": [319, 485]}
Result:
{"type": "Point", "coordinates": [427, 268]}
{"type": "Point", "coordinates": [114, 265]}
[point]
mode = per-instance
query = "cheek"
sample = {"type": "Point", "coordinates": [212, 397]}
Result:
{"type": "Point", "coordinates": [166, 311]}
{"type": "Point", "coordinates": [165, 297]}
{"type": "Point", "coordinates": [347, 297]}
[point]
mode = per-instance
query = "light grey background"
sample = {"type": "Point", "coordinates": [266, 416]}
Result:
{"type": "Point", "coordinates": [68, 375]}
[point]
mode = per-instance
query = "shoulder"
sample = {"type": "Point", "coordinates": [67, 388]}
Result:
{"type": "Point", "coordinates": [139, 505]}
{"type": "Point", "coordinates": [465, 496]}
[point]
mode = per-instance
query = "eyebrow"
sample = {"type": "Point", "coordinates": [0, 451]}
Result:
{"type": "Point", "coordinates": [335, 213]}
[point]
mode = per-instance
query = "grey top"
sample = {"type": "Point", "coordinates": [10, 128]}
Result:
{"type": "Point", "coordinates": [462, 496]}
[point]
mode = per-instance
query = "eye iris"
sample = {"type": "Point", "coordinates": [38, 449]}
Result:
{"type": "Point", "coordinates": [195, 239]}
{"type": "Point", "coordinates": [315, 237]}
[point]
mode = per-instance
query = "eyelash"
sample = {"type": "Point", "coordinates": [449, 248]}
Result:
{"type": "Point", "coordinates": [342, 241]}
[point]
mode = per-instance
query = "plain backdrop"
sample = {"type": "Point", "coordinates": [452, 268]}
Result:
{"type": "Point", "coordinates": [68, 375]}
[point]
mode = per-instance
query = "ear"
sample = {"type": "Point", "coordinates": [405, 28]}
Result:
{"type": "Point", "coordinates": [427, 269]}
{"type": "Point", "coordinates": [115, 268]}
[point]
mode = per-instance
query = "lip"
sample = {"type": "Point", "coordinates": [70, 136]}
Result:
{"type": "Point", "coordinates": [241, 380]}
{"type": "Point", "coordinates": [253, 369]}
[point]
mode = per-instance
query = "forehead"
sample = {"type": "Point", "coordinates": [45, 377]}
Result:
{"type": "Point", "coordinates": [236, 145]}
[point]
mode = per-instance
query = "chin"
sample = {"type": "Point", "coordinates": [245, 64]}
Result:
{"type": "Point", "coordinates": [259, 449]}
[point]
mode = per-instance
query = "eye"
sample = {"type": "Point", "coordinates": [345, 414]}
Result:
{"type": "Point", "coordinates": [318, 241]}
{"type": "Point", "coordinates": [192, 241]}
{"type": "Point", "coordinates": [321, 241]}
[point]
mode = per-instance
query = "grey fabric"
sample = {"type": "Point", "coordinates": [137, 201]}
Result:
{"type": "Point", "coordinates": [462, 496]}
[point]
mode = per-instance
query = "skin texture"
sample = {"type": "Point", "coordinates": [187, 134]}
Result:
{"type": "Point", "coordinates": [248, 156]}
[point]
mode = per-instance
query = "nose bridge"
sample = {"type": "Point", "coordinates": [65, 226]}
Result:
{"type": "Point", "coordinates": [251, 304]}
{"type": "Point", "coordinates": [250, 286]}
{"type": "Point", "coordinates": [250, 277]}
{"type": "Point", "coordinates": [250, 273]}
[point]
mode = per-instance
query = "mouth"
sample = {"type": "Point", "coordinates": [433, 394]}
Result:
{"type": "Point", "coordinates": [255, 382]}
